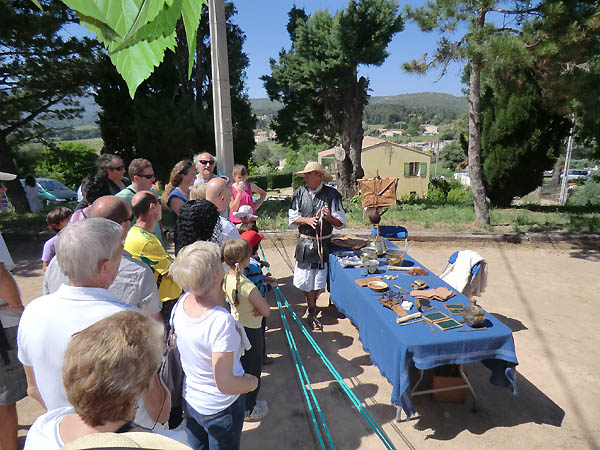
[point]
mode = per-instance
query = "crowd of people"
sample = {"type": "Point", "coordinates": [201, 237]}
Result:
{"type": "Point", "coordinates": [89, 350]}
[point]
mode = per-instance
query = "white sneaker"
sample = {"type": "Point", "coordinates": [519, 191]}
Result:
{"type": "Point", "coordinates": [260, 410]}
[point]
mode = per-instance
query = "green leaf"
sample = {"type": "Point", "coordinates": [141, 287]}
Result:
{"type": "Point", "coordinates": [191, 10]}
{"type": "Point", "coordinates": [148, 11]}
{"type": "Point", "coordinates": [136, 63]}
{"type": "Point", "coordinates": [162, 26]}
{"type": "Point", "coordinates": [36, 3]}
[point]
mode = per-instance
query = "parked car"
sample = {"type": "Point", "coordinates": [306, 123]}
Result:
{"type": "Point", "coordinates": [51, 190]}
{"type": "Point", "coordinates": [577, 174]}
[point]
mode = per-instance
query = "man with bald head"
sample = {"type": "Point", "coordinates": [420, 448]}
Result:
{"type": "Point", "coordinates": [134, 283]}
{"type": "Point", "coordinates": [205, 168]}
{"type": "Point", "coordinates": [144, 246]}
{"type": "Point", "coordinates": [219, 193]}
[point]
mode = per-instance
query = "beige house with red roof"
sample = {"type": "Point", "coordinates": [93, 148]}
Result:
{"type": "Point", "coordinates": [409, 165]}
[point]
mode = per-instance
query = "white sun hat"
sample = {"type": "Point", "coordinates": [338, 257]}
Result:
{"type": "Point", "coordinates": [245, 211]}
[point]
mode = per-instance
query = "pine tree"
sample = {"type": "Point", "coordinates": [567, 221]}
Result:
{"type": "Point", "coordinates": [317, 78]}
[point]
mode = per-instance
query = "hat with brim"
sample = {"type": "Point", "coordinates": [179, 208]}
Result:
{"type": "Point", "coordinates": [245, 211]}
{"type": "Point", "coordinates": [125, 440]}
{"type": "Point", "coordinates": [314, 166]}
{"type": "Point", "coordinates": [5, 176]}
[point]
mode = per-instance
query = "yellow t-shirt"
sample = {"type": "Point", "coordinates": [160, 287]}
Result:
{"type": "Point", "coordinates": [146, 247]}
{"type": "Point", "coordinates": [243, 311]}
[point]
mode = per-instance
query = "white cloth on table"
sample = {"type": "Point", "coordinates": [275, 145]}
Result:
{"type": "Point", "coordinates": [458, 274]}
{"type": "Point", "coordinates": [46, 328]}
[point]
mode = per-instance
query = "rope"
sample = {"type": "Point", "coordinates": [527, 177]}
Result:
{"type": "Point", "coordinates": [352, 397]}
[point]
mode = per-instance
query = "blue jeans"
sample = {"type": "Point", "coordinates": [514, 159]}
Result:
{"type": "Point", "coordinates": [220, 431]}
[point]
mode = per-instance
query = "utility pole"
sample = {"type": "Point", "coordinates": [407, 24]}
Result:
{"type": "Point", "coordinates": [220, 86]}
{"type": "Point", "coordinates": [565, 180]}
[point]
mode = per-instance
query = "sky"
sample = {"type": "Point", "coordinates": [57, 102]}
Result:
{"type": "Point", "coordinates": [264, 23]}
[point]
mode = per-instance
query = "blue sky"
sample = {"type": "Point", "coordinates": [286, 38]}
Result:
{"type": "Point", "coordinates": [264, 22]}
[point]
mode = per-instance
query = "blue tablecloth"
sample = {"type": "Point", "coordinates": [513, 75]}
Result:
{"type": "Point", "coordinates": [393, 347]}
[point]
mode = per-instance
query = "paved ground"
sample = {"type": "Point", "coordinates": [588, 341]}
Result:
{"type": "Point", "coordinates": [547, 294]}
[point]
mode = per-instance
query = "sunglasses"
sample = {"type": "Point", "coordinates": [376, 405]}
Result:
{"type": "Point", "coordinates": [205, 162]}
{"type": "Point", "coordinates": [149, 176]}
{"type": "Point", "coordinates": [117, 168]}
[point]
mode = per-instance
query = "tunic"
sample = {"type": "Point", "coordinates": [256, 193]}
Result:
{"type": "Point", "coordinates": [310, 272]}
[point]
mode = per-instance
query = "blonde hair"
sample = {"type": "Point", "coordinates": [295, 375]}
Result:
{"type": "Point", "coordinates": [234, 252]}
{"type": "Point", "coordinates": [198, 192]}
{"type": "Point", "coordinates": [195, 267]}
{"type": "Point", "coordinates": [239, 169]}
{"type": "Point", "coordinates": [108, 365]}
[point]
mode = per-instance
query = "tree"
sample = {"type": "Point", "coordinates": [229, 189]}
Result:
{"type": "Point", "coordinates": [172, 111]}
{"type": "Point", "coordinates": [552, 36]}
{"type": "Point", "coordinates": [452, 155]}
{"type": "Point", "coordinates": [40, 69]}
{"type": "Point", "coordinates": [69, 162]}
{"type": "Point", "coordinates": [520, 138]}
{"type": "Point", "coordinates": [317, 79]}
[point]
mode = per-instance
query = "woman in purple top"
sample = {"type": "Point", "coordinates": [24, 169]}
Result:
{"type": "Point", "coordinates": [242, 193]}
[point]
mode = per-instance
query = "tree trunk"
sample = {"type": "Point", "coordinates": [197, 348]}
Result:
{"type": "Point", "coordinates": [350, 169]}
{"type": "Point", "coordinates": [480, 204]}
{"type": "Point", "coordinates": [15, 192]}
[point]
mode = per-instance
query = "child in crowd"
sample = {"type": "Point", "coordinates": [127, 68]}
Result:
{"type": "Point", "coordinates": [248, 307]}
{"type": "Point", "coordinates": [242, 194]}
{"type": "Point", "coordinates": [56, 219]}
{"type": "Point", "coordinates": [255, 274]}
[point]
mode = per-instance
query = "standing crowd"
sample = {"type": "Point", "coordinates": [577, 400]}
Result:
{"type": "Point", "coordinates": [117, 308]}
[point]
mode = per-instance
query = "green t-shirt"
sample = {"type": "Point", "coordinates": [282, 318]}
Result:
{"type": "Point", "coordinates": [127, 194]}
{"type": "Point", "coordinates": [243, 311]}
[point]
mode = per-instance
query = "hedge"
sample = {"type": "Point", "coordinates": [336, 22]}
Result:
{"type": "Point", "coordinates": [273, 180]}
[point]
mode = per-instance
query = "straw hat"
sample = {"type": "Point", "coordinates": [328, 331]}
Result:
{"type": "Point", "coordinates": [245, 211]}
{"type": "Point", "coordinates": [314, 166]}
{"type": "Point", "coordinates": [125, 440]}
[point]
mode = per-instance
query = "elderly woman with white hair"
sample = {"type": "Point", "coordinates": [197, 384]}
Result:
{"type": "Point", "coordinates": [209, 344]}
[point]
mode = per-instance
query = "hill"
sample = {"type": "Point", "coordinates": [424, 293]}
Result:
{"type": "Point", "coordinates": [430, 107]}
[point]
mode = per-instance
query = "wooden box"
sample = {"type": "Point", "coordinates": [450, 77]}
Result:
{"type": "Point", "coordinates": [451, 396]}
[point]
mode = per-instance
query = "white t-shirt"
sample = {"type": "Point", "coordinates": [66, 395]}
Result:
{"type": "Point", "coordinates": [229, 231]}
{"type": "Point", "coordinates": [9, 319]}
{"type": "Point", "coordinates": [197, 340]}
{"type": "Point", "coordinates": [46, 328]}
{"type": "Point", "coordinates": [44, 433]}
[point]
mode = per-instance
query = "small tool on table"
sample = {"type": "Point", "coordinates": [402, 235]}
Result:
{"type": "Point", "coordinates": [473, 329]}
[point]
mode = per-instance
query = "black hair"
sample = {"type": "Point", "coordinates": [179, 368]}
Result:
{"type": "Point", "coordinates": [30, 181]}
{"type": "Point", "coordinates": [198, 220]}
{"type": "Point", "coordinates": [93, 187]}
{"type": "Point", "coordinates": [56, 216]}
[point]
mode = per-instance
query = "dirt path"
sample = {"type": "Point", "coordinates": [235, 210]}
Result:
{"type": "Point", "coordinates": [549, 297]}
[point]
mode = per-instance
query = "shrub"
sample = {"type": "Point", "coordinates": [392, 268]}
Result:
{"type": "Point", "coordinates": [587, 195]}
{"type": "Point", "coordinates": [459, 196]}
{"type": "Point", "coordinates": [280, 180]}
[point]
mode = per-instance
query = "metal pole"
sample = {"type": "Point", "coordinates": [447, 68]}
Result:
{"type": "Point", "coordinates": [563, 186]}
{"type": "Point", "coordinates": [437, 157]}
{"type": "Point", "coordinates": [220, 86]}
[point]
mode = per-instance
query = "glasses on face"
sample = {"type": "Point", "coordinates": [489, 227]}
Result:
{"type": "Point", "coordinates": [205, 162]}
{"type": "Point", "coordinates": [185, 168]}
{"type": "Point", "coordinates": [121, 167]}
{"type": "Point", "coordinates": [147, 176]}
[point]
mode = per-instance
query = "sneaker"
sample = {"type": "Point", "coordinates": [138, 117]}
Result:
{"type": "Point", "coordinates": [261, 409]}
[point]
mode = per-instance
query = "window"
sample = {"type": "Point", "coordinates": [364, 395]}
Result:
{"type": "Point", "coordinates": [415, 169]}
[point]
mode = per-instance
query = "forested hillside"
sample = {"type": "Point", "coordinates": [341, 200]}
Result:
{"type": "Point", "coordinates": [428, 107]}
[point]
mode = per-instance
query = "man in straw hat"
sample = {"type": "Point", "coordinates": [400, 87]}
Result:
{"type": "Point", "coordinates": [315, 210]}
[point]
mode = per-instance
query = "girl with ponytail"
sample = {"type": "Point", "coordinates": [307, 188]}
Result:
{"type": "Point", "coordinates": [248, 307]}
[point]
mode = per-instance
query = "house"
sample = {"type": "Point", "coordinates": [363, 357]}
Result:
{"type": "Point", "coordinates": [409, 165]}
{"type": "Point", "coordinates": [430, 130]}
